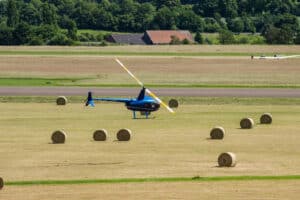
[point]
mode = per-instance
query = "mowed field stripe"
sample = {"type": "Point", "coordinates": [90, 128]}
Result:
{"type": "Point", "coordinates": [143, 180]}
{"type": "Point", "coordinates": [128, 53]}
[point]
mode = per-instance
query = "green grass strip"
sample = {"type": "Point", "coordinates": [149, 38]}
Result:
{"type": "Point", "coordinates": [153, 180]}
{"type": "Point", "coordinates": [124, 53]}
{"type": "Point", "coordinates": [71, 82]}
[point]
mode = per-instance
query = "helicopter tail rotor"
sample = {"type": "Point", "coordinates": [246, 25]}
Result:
{"type": "Point", "coordinates": [89, 100]}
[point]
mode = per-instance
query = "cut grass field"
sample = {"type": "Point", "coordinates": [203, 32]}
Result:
{"type": "Point", "coordinates": [232, 190]}
{"type": "Point", "coordinates": [162, 148]}
{"type": "Point", "coordinates": [169, 156]}
{"type": "Point", "coordinates": [124, 53]}
{"type": "Point", "coordinates": [155, 50]}
{"type": "Point", "coordinates": [153, 71]}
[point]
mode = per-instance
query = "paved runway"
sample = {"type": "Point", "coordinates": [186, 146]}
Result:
{"type": "Point", "coordinates": [192, 92]}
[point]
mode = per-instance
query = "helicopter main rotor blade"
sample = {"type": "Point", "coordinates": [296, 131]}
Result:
{"type": "Point", "coordinates": [159, 101]}
{"type": "Point", "coordinates": [131, 74]}
{"type": "Point", "coordinates": [147, 90]}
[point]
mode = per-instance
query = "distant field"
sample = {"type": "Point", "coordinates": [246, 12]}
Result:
{"type": "Point", "coordinates": [162, 50]}
{"type": "Point", "coordinates": [153, 71]}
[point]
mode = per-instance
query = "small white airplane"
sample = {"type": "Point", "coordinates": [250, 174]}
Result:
{"type": "Point", "coordinates": [275, 57]}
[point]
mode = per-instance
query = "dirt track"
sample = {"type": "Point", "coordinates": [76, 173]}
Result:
{"type": "Point", "coordinates": [199, 92]}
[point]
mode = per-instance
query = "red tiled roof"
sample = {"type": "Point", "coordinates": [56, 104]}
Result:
{"type": "Point", "coordinates": [164, 37]}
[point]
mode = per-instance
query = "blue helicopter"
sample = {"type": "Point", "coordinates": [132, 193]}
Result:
{"type": "Point", "coordinates": [143, 103]}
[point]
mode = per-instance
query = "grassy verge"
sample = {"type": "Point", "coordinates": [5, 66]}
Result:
{"type": "Point", "coordinates": [37, 81]}
{"type": "Point", "coordinates": [88, 82]}
{"type": "Point", "coordinates": [182, 100]}
{"type": "Point", "coordinates": [143, 180]}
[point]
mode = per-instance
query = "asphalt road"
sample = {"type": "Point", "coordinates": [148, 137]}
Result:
{"type": "Point", "coordinates": [192, 92]}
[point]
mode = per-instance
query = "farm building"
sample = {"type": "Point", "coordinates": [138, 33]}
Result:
{"type": "Point", "coordinates": [151, 37]}
{"type": "Point", "coordinates": [165, 36]}
{"type": "Point", "coordinates": [134, 38]}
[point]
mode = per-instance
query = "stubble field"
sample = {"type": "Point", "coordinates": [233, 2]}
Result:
{"type": "Point", "coordinates": [162, 148]}
{"type": "Point", "coordinates": [154, 71]}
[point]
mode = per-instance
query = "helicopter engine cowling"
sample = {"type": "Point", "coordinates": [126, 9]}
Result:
{"type": "Point", "coordinates": [143, 106]}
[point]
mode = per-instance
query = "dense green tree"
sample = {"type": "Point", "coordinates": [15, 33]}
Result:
{"type": "Point", "coordinates": [248, 24]}
{"type": "Point", "coordinates": [64, 7]}
{"type": "Point", "coordinates": [164, 19]}
{"type": "Point", "coordinates": [105, 20]}
{"type": "Point", "coordinates": [206, 8]}
{"type": "Point", "coordinates": [12, 13]}
{"type": "Point", "coordinates": [128, 10]}
{"type": "Point", "coordinates": [283, 31]}
{"type": "Point", "coordinates": [167, 3]}
{"type": "Point", "coordinates": [48, 14]}
{"type": "Point", "coordinates": [244, 6]}
{"type": "Point", "coordinates": [185, 41]}
{"type": "Point", "coordinates": [297, 38]}
{"type": "Point", "coordinates": [226, 37]}
{"type": "Point", "coordinates": [3, 7]}
{"type": "Point", "coordinates": [84, 14]}
{"type": "Point", "coordinates": [297, 9]}
{"type": "Point", "coordinates": [188, 20]}
{"type": "Point", "coordinates": [46, 32]}
{"type": "Point", "coordinates": [60, 39]}
{"type": "Point", "coordinates": [144, 17]}
{"type": "Point", "coordinates": [70, 25]}
{"type": "Point", "coordinates": [220, 20]}
{"type": "Point", "coordinates": [236, 25]}
{"type": "Point", "coordinates": [287, 21]}
{"type": "Point", "coordinates": [22, 33]}
{"type": "Point", "coordinates": [280, 6]}
{"type": "Point", "coordinates": [211, 25]}
{"type": "Point", "coordinates": [272, 35]}
{"type": "Point", "coordinates": [199, 38]}
{"type": "Point", "coordinates": [30, 14]}
{"type": "Point", "coordinates": [228, 8]}
{"type": "Point", "coordinates": [6, 35]}
{"type": "Point", "coordinates": [40, 16]}
{"type": "Point", "coordinates": [35, 41]}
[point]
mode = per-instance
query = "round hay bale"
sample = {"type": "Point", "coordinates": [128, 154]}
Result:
{"type": "Point", "coordinates": [58, 137]}
{"type": "Point", "coordinates": [266, 118]}
{"type": "Point", "coordinates": [247, 123]}
{"type": "Point", "coordinates": [61, 101]}
{"type": "Point", "coordinates": [173, 103]}
{"type": "Point", "coordinates": [217, 133]}
{"type": "Point", "coordinates": [100, 135]}
{"type": "Point", "coordinates": [227, 159]}
{"type": "Point", "coordinates": [124, 135]}
{"type": "Point", "coordinates": [1, 183]}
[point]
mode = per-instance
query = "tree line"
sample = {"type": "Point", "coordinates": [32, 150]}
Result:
{"type": "Point", "coordinates": [56, 22]}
